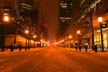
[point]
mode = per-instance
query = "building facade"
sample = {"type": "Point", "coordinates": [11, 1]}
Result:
{"type": "Point", "coordinates": [88, 24]}
{"type": "Point", "coordinates": [23, 15]}
{"type": "Point", "coordinates": [65, 15]}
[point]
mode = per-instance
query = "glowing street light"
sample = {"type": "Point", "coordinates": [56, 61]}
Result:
{"type": "Point", "coordinates": [69, 36]}
{"type": "Point", "coordinates": [26, 31]}
{"type": "Point", "coordinates": [78, 32]}
{"type": "Point", "coordinates": [6, 18]}
{"type": "Point", "coordinates": [27, 41]}
{"type": "Point", "coordinates": [34, 36]}
{"type": "Point", "coordinates": [100, 21]}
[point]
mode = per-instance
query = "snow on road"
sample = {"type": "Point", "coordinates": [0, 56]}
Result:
{"type": "Point", "coordinates": [54, 60]}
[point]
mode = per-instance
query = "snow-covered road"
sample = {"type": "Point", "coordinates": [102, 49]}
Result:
{"type": "Point", "coordinates": [54, 60]}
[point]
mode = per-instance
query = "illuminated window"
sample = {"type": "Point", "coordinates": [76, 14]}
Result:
{"type": "Point", "coordinates": [83, 16]}
{"type": "Point", "coordinates": [66, 18]}
{"type": "Point", "coordinates": [64, 6]}
{"type": "Point", "coordinates": [61, 4]}
{"type": "Point", "coordinates": [71, 4]}
{"type": "Point", "coordinates": [63, 20]}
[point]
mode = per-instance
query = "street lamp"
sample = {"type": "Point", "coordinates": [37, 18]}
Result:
{"type": "Point", "coordinates": [100, 21]}
{"type": "Point", "coordinates": [26, 32]}
{"type": "Point", "coordinates": [78, 33]}
{"type": "Point", "coordinates": [70, 37]}
{"type": "Point", "coordinates": [34, 36]}
{"type": "Point", "coordinates": [6, 17]}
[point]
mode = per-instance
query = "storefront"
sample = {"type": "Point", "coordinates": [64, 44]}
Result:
{"type": "Point", "coordinates": [97, 38]}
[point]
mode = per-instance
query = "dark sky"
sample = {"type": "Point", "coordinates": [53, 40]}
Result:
{"type": "Point", "coordinates": [49, 10]}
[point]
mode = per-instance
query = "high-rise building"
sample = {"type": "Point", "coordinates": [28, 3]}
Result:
{"type": "Point", "coordinates": [65, 14]}
{"type": "Point", "coordinates": [23, 15]}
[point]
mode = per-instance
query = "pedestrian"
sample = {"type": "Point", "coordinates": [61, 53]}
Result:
{"type": "Point", "coordinates": [20, 47]}
{"type": "Point", "coordinates": [79, 48]}
{"type": "Point", "coordinates": [86, 48]}
{"type": "Point", "coordinates": [76, 46]}
{"type": "Point", "coordinates": [95, 47]}
{"type": "Point", "coordinates": [11, 47]}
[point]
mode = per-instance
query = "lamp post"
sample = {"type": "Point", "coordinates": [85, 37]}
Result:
{"type": "Point", "coordinates": [78, 33]}
{"type": "Point", "coordinates": [26, 32]}
{"type": "Point", "coordinates": [34, 36]}
{"type": "Point", "coordinates": [70, 37]}
{"type": "Point", "coordinates": [5, 19]}
{"type": "Point", "coordinates": [100, 21]}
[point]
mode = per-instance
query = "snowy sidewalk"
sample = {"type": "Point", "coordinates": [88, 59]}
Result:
{"type": "Point", "coordinates": [89, 51]}
{"type": "Point", "coordinates": [7, 51]}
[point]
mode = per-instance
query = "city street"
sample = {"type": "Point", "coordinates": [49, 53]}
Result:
{"type": "Point", "coordinates": [53, 59]}
{"type": "Point", "coordinates": [53, 35]}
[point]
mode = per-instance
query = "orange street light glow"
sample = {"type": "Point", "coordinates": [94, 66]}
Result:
{"type": "Point", "coordinates": [26, 31]}
{"type": "Point", "coordinates": [6, 18]}
{"type": "Point", "coordinates": [78, 32]}
{"type": "Point", "coordinates": [34, 36]}
{"type": "Point", "coordinates": [99, 19]}
{"type": "Point", "coordinates": [70, 36]}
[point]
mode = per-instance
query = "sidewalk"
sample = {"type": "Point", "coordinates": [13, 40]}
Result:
{"type": "Point", "coordinates": [99, 52]}
{"type": "Point", "coordinates": [7, 51]}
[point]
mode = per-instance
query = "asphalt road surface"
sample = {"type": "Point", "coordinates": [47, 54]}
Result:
{"type": "Point", "coordinates": [54, 60]}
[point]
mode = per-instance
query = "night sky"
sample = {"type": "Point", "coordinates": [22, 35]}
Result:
{"type": "Point", "coordinates": [49, 10]}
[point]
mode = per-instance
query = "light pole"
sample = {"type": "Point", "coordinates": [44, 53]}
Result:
{"type": "Point", "coordinates": [26, 32]}
{"type": "Point", "coordinates": [5, 19]}
{"type": "Point", "coordinates": [34, 36]}
{"type": "Point", "coordinates": [78, 33]}
{"type": "Point", "coordinates": [70, 37]}
{"type": "Point", "coordinates": [100, 21]}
